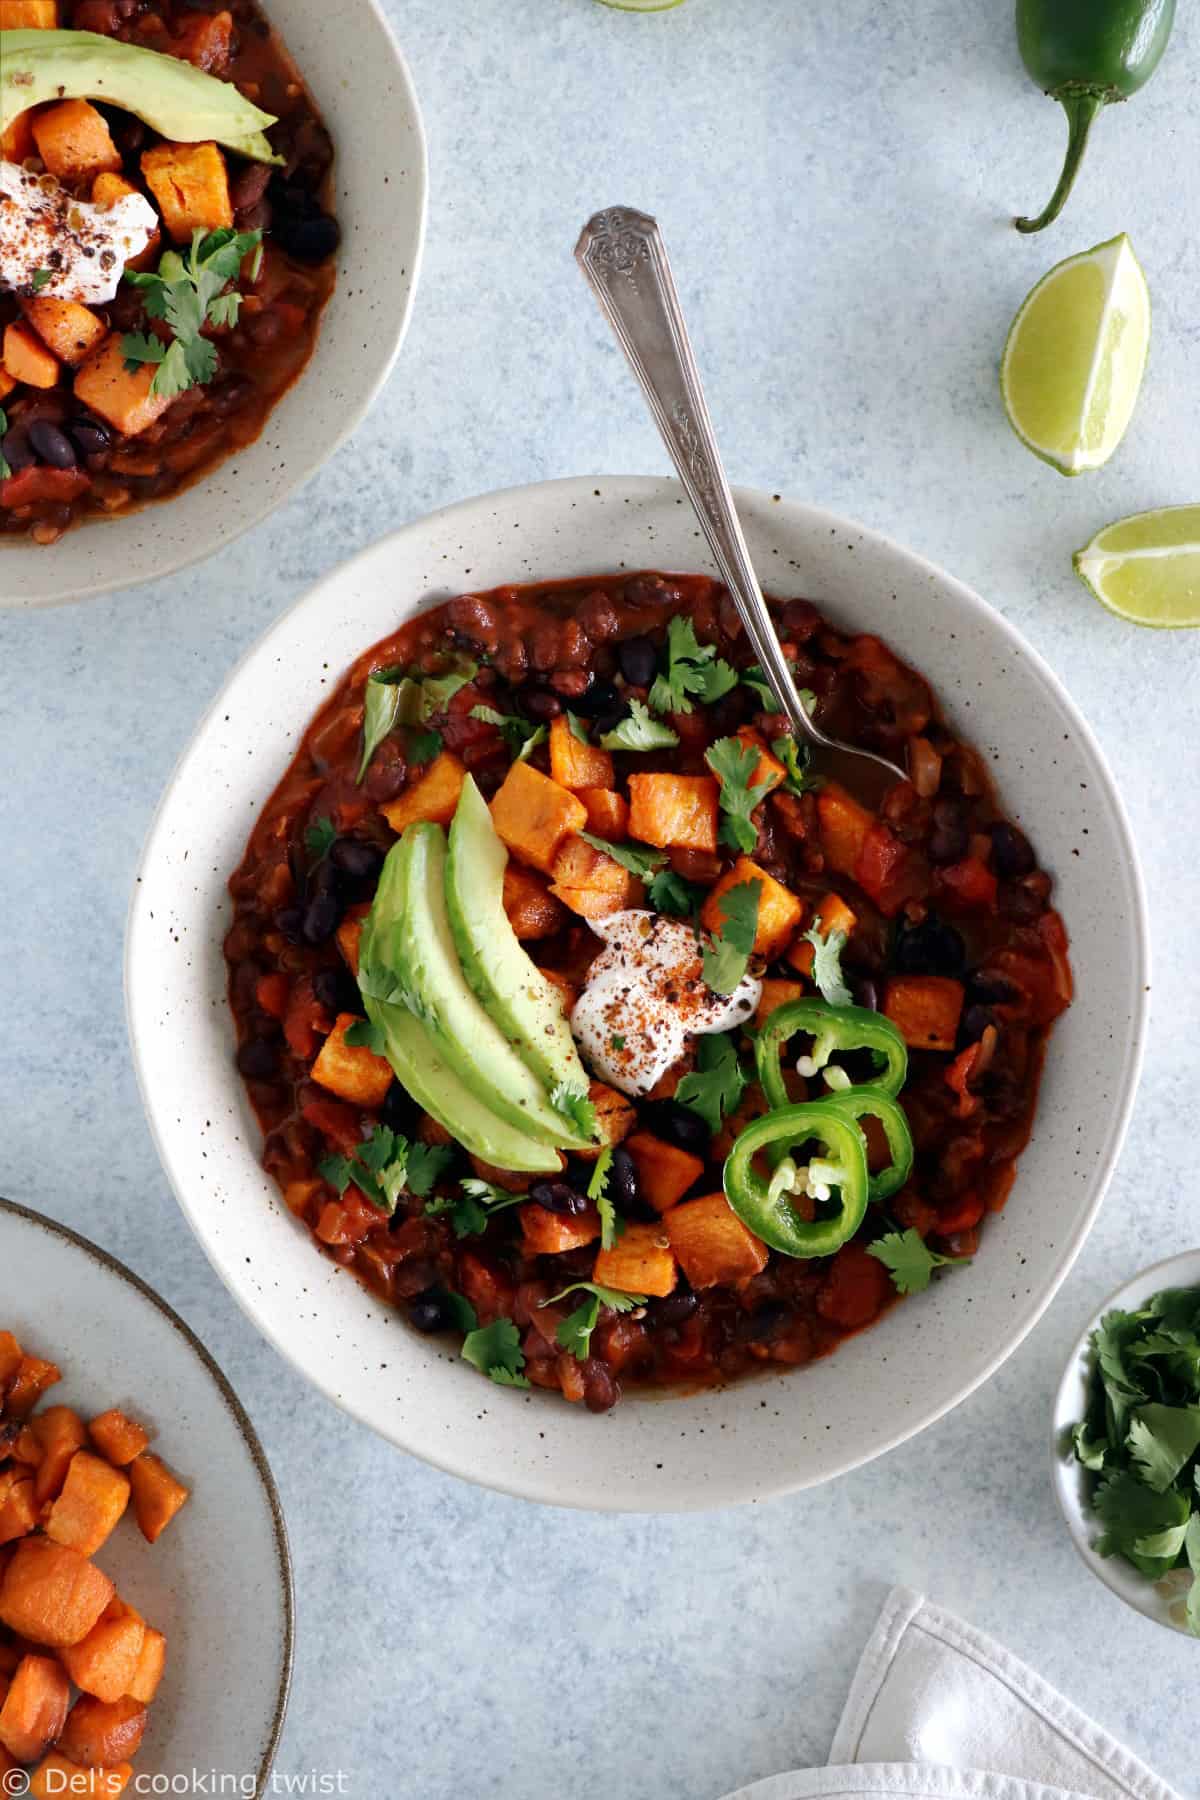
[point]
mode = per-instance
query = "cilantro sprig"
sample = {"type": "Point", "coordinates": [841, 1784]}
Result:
{"type": "Point", "coordinates": [734, 762]}
{"type": "Point", "coordinates": [521, 735]}
{"type": "Point", "coordinates": [384, 1165]}
{"type": "Point", "coordinates": [612, 1226]}
{"type": "Point", "coordinates": [393, 697]}
{"type": "Point", "coordinates": [575, 1331]}
{"type": "Point", "coordinates": [727, 957]}
{"type": "Point", "coordinates": [496, 1350]}
{"type": "Point", "coordinates": [715, 1086]}
{"type": "Point", "coordinates": [1140, 1437]}
{"type": "Point", "coordinates": [187, 292]}
{"type": "Point", "coordinates": [41, 278]}
{"type": "Point", "coordinates": [909, 1260]}
{"type": "Point", "coordinates": [693, 670]}
{"type": "Point", "coordinates": [670, 893]}
{"type": "Point", "coordinates": [574, 1104]}
{"type": "Point", "coordinates": [827, 963]}
{"type": "Point", "coordinates": [470, 1210]}
{"type": "Point", "coordinates": [639, 732]}
{"type": "Point", "coordinates": [639, 859]}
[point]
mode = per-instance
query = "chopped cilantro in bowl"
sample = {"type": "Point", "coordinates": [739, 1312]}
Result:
{"type": "Point", "coordinates": [1127, 1443]}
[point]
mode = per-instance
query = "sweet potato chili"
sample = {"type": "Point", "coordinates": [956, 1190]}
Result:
{"type": "Point", "coordinates": [90, 424]}
{"type": "Point", "coordinates": [635, 768]}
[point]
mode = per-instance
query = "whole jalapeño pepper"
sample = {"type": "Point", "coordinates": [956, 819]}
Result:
{"type": "Point", "coordinates": [1086, 54]}
{"type": "Point", "coordinates": [765, 1204]}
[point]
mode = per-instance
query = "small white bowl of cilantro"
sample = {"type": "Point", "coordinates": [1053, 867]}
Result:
{"type": "Point", "coordinates": [1126, 1451]}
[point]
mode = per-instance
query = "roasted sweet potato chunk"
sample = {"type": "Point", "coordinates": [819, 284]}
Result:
{"type": "Point", "coordinates": [432, 797]}
{"type": "Point", "coordinates": [575, 763]}
{"type": "Point", "coordinates": [533, 814]}
{"type": "Point", "coordinates": [106, 1662]}
{"type": "Point", "coordinates": [779, 911]}
{"type": "Point", "coordinates": [150, 1667]}
{"type": "Point", "coordinates": [74, 141]}
{"type": "Point", "coordinates": [640, 1262]}
{"type": "Point", "coordinates": [191, 185]}
{"type": "Point", "coordinates": [925, 1008]}
{"type": "Point", "coordinates": [548, 1234]}
{"type": "Point", "coordinates": [51, 1594]}
{"type": "Point", "coordinates": [65, 327]}
{"type": "Point", "coordinates": [829, 914]}
{"type": "Point", "coordinates": [121, 396]}
{"type": "Point", "coordinates": [117, 1437]}
{"type": "Point", "coordinates": [352, 1071]}
{"type": "Point", "coordinates": [665, 1172]}
{"type": "Point", "coordinates": [591, 883]}
{"type": "Point", "coordinates": [674, 811]}
{"type": "Point", "coordinates": [157, 1494]}
{"type": "Point", "coordinates": [35, 1707]}
{"type": "Point", "coordinates": [711, 1243]}
{"type": "Point", "coordinates": [92, 1500]}
{"type": "Point", "coordinates": [532, 910]}
{"type": "Point", "coordinates": [26, 358]}
{"type": "Point", "coordinates": [56, 1776]}
{"type": "Point", "coordinates": [28, 15]}
{"type": "Point", "coordinates": [60, 1433]}
{"type": "Point", "coordinates": [100, 1733]}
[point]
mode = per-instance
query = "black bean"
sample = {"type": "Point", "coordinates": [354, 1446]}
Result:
{"type": "Point", "coordinates": [948, 841]}
{"type": "Point", "coordinates": [357, 858]}
{"type": "Point", "coordinates": [931, 948]}
{"type": "Point", "coordinates": [429, 1312]}
{"type": "Point", "coordinates": [990, 990]}
{"type": "Point", "coordinates": [558, 1197]}
{"type": "Point", "coordinates": [760, 1326]}
{"type": "Point", "coordinates": [247, 184]}
{"type": "Point", "coordinates": [1012, 851]}
{"type": "Point", "coordinates": [600, 1389]}
{"type": "Point", "coordinates": [601, 698]}
{"type": "Point", "coordinates": [225, 396]}
{"type": "Point", "coordinates": [866, 994]}
{"type": "Point", "coordinates": [608, 721]}
{"type": "Point", "coordinates": [538, 704]}
{"type": "Point", "coordinates": [974, 1023]}
{"type": "Point", "coordinates": [624, 1189]}
{"type": "Point", "coordinates": [337, 990]}
{"type": "Point", "coordinates": [289, 923]}
{"type": "Point", "coordinates": [52, 445]}
{"type": "Point", "coordinates": [674, 1310]}
{"type": "Point", "coordinates": [322, 916]}
{"type": "Point", "coordinates": [638, 661]}
{"type": "Point", "coordinates": [256, 218]}
{"type": "Point", "coordinates": [16, 449]}
{"type": "Point", "coordinates": [91, 437]}
{"type": "Point", "coordinates": [258, 1058]}
{"type": "Point", "coordinates": [680, 1126]}
{"type": "Point", "coordinates": [399, 1109]}
{"type": "Point", "coordinates": [308, 240]}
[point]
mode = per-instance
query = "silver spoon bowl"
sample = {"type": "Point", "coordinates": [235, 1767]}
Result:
{"type": "Point", "coordinates": [624, 259]}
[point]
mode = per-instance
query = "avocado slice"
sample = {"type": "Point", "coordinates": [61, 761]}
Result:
{"type": "Point", "coordinates": [421, 950]}
{"type": "Point", "coordinates": [420, 1067]}
{"type": "Point", "coordinates": [169, 95]}
{"type": "Point", "coordinates": [506, 981]}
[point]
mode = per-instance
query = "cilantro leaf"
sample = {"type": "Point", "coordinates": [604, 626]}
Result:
{"type": "Point", "coordinates": [173, 375]}
{"type": "Point", "coordinates": [795, 759]}
{"type": "Point", "coordinates": [716, 1085]}
{"type": "Point", "coordinates": [575, 1331]}
{"type": "Point", "coordinates": [575, 1105]}
{"type": "Point", "coordinates": [470, 1211]}
{"type": "Point", "coordinates": [423, 746]}
{"type": "Point", "coordinates": [1088, 1450]}
{"type": "Point", "coordinates": [733, 763]}
{"type": "Point", "coordinates": [319, 839]}
{"type": "Point", "coordinates": [612, 1226]}
{"type": "Point", "coordinates": [725, 961]}
{"type": "Point", "coordinates": [827, 963]}
{"type": "Point", "coordinates": [521, 735]}
{"type": "Point", "coordinates": [639, 732]}
{"type": "Point", "coordinates": [224, 310]}
{"type": "Point", "coordinates": [187, 294]}
{"type": "Point", "coordinates": [496, 1351]}
{"type": "Point", "coordinates": [41, 278]}
{"type": "Point", "coordinates": [692, 669]}
{"type": "Point", "coordinates": [670, 893]}
{"type": "Point", "coordinates": [381, 711]}
{"type": "Point", "coordinates": [753, 677]}
{"type": "Point", "coordinates": [1162, 1440]}
{"type": "Point", "coordinates": [637, 858]}
{"type": "Point", "coordinates": [378, 1168]}
{"type": "Point", "coordinates": [910, 1261]}
{"type": "Point", "coordinates": [363, 1034]}
{"type": "Point", "coordinates": [1133, 1515]}
{"type": "Point", "coordinates": [427, 1163]}
{"type": "Point", "coordinates": [139, 347]}
{"type": "Point", "coordinates": [577, 727]}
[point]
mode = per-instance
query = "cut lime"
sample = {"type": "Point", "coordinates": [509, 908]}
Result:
{"type": "Point", "coordinates": [1075, 357]}
{"type": "Point", "coordinates": [1147, 568]}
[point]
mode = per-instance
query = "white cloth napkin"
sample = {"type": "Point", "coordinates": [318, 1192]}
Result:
{"type": "Point", "coordinates": [938, 1711]}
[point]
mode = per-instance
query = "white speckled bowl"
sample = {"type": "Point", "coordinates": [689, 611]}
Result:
{"type": "Point", "coordinates": [780, 1431]}
{"type": "Point", "coordinates": [1163, 1601]}
{"type": "Point", "coordinates": [219, 1582]}
{"type": "Point", "coordinates": [361, 82]}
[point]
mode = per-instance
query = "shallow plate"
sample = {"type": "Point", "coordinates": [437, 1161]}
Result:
{"type": "Point", "coordinates": [1163, 1601]}
{"type": "Point", "coordinates": [361, 83]}
{"type": "Point", "coordinates": [219, 1583]}
{"type": "Point", "coordinates": [750, 1440]}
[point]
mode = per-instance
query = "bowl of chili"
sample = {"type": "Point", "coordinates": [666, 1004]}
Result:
{"type": "Point", "coordinates": [196, 399]}
{"type": "Point", "coordinates": [913, 1090]}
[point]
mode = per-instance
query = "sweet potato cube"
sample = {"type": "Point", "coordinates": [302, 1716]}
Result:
{"type": "Point", "coordinates": [533, 814]}
{"type": "Point", "coordinates": [10, 1359]}
{"type": "Point", "coordinates": [349, 934]}
{"type": "Point", "coordinates": [117, 1437]}
{"type": "Point", "coordinates": [665, 1173]}
{"type": "Point", "coordinates": [157, 1494]}
{"type": "Point", "coordinates": [106, 191]}
{"type": "Point", "coordinates": [844, 827]}
{"type": "Point", "coordinates": [27, 1449]}
{"type": "Point", "coordinates": [35, 1707]}
{"type": "Point", "coordinates": [57, 1776]}
{"type": "Point", "coordinates": [65, 327]}
{"type": "Point", "coordinates": [60, 1432]}
{"type": "Point", "coordinates": [777, 993]}
{"type": "Point", "coordinates": [768, 768]}
{"type": "Point", "coordinates": [107, 1660]}
{"type": "Point", "coordinates": [18, 1504]}
{"type": "Point", "coordinates": [26, 358]}
{"type": "Point", "coordinates": [16, 140]}
{"type": "Point", "coordinates": [433, 797]}
{"type": "Point", "coordinates": [352, 1071]}
{"type": "Point", "coordinates": [51, 1594]}
{"type": "Point", "coordinates": [28, 15]}
{"type": "Point", "coordinates": [151, 1664]}
{"type": "Point", "coordinates": [101, 1733]}
{"type": "Point", "coordinates": [33, 1378]}
{"type": "Point", "coordinates": [674, 811]}
{"type": "Point", "coordinates": [829, 914]}
{"type": "Point", "coordinates": [532, 910]}
{"type": "Point", "coordinates": [607, 813]}
{"type": "Point", "coordinates": [548, 1234]}
{"type": "Point", "coordinates": [7, 384]}
{"type": "Point", "coordinates": [640, 1262]}
{"type": "Point", "coordinates": [615, 1119]}
{"type": "Point", "coordinates": [574, 763]}
{"type": "Point", "coordinates": [591, 883]}
{"type": "Point", "coordinates": [925, 1009]}
{"type": "Point", "coordinates": [191, 185]}
{"type": "Point", "coordinates": [74, 141]}
{"type": "Point", "coordinates": [779, 911]}
{"type": "Point", "coordinates": [121, 396]}
{"type": "Point", "coordinates": [712, 1245]}
{"type": "Point", "coordinates": [93, 1497]}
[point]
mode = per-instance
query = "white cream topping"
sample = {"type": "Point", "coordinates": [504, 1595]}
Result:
{"type": "Point", "coordinates": [646, 996]}
{"type": "Point", "coordinates": [83, 248]}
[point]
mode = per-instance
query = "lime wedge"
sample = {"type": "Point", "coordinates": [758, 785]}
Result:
{"type": "Point", "coordinates": [1147, 568]}
{"type": "Point", "coordinates": [1075, 357]}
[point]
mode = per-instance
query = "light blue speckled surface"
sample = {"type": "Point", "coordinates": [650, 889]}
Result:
{"type": "Point", "coordinates": [834, 182]}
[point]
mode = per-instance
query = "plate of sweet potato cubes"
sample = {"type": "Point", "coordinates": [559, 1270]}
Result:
{"type": "Point", "coordinates": [114, 1599]}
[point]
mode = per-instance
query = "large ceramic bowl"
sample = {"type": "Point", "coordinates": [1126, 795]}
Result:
{"type": "Point", "coordinates": [362, 85]}
{"type": "Point", "coordinates": [780, 1431]}
{"type": "Point", "coordinates": [1163, 1601]}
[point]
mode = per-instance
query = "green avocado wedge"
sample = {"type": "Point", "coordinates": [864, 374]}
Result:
{"type": "Point", "coordinates": [173, 98]}
{"type": "Point", "coordinates": [421, 951]}
{"type": "Point", "coordinates": [419, 1065]}
{"type": "Point", "coordinates": [507, 982]}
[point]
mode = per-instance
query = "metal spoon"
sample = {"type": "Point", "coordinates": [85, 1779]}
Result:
{"type": "Point", "coordinates": [623, 257]}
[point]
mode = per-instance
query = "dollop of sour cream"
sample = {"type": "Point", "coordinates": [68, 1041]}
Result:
{"type": "Point", "coordinates": [646, 996]}
{"type": "Point", "coordinates": [77, 251]}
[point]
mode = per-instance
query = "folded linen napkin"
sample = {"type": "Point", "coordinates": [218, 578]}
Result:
{"type": "Point", "coordinates": [939, 1711]}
